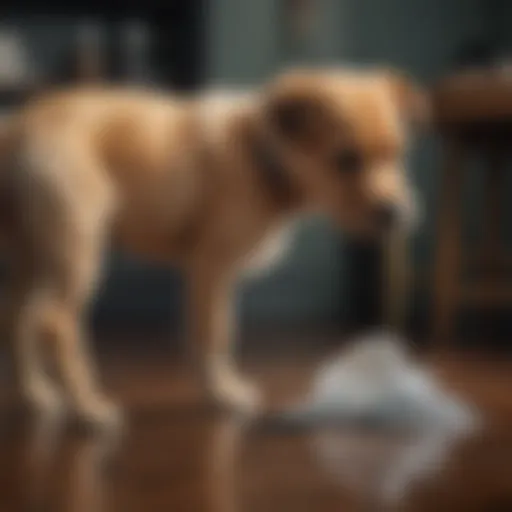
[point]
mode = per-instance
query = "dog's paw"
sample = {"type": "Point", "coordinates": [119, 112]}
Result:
{"type": "Point", "coordinates": [235, 394]}
{"type": "Point", "coordinates": [43, 399]}
{"type": "Point", "coordinates": [100, 413]}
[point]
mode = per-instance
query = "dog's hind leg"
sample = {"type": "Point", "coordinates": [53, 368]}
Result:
{"type": "Point", "coordinates": [48, 305]}
{"type": "Point", "coordinates": [71, 282]}
{"type": "Point", "coordinates": [66, 223]}
{"type": "Point", "coordinates": [36, 387]}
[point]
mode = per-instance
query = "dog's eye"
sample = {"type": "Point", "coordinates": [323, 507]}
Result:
{"type": "Point", "coordinates": [348, 160]}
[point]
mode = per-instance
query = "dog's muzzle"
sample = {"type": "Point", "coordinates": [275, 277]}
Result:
{"type": "Point", "coordinates": [388, 216]}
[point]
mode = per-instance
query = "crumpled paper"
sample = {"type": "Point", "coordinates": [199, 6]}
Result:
{"type": "Point", "coordinates": [375, 382]}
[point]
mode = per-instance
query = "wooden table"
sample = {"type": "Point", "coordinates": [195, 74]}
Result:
{"type": "Point", "coordinates": [473, 112]}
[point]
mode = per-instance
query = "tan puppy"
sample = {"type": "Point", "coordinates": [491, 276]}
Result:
{"type": "Point", "coordinates": [202, 183]}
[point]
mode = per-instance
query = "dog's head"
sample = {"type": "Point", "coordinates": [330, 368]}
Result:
{"type": "Point", "coordinates": [344, 136]}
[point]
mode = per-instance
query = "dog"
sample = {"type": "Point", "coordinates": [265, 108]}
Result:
{"type": "Point", "coordinates": [208, 183]}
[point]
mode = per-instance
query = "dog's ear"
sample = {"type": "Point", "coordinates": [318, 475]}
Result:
{"type": "Point", "coordinates": [298, 116]}
{"type": "Point", "coordinates": [413, 102]}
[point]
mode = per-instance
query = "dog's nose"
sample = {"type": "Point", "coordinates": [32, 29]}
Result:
{"type": "Point", "coordinates": [386, 215]}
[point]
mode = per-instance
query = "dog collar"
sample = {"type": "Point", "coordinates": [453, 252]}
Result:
{"type": "Point", "coordinates": [273, 173]}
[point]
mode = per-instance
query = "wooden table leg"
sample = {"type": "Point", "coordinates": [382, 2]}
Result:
{"type": "Point", "coordinates": [493, 256]}
{"type": "Point", "coordinates": [491, 274]}
{"type": "Point", "coordinates": [448, 251]}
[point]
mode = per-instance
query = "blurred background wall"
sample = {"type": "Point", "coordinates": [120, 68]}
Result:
{"type": "Point", "coordinates": [239, 43]}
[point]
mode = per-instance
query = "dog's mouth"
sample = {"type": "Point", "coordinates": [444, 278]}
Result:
{"type": "Point", "coordinates": [402, 216]}
{"type": "Point", "coordinates": [375, 221]}
{"type": "Point", "coordinates": [382, 225]}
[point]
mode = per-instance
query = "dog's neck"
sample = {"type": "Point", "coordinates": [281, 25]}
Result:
{"type": "Point", "coordinates": [274, 173]}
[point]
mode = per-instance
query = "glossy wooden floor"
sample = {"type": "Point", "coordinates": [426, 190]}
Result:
{"type": "Point", "coordinates": [178, 456]}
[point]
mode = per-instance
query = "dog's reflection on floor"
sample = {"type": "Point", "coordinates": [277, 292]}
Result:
{"type": "Point", "coordinates": [53, 469]}
{"type": "Point", "coordinates": [61, 471]}
{"type": "Point", "coordinates": [383, 469]}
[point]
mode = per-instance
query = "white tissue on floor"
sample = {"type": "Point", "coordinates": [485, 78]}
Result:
{"type": "Point", "coordinates": [375, 381]}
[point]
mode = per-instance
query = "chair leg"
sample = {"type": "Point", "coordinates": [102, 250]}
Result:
{"type": "Point", "coordinates": [447, 261]}
{"type": "Point", "coordinates": [493, 270]}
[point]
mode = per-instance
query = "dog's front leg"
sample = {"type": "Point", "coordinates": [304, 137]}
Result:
{"type": "Point", "coordinates": [211, 323]}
